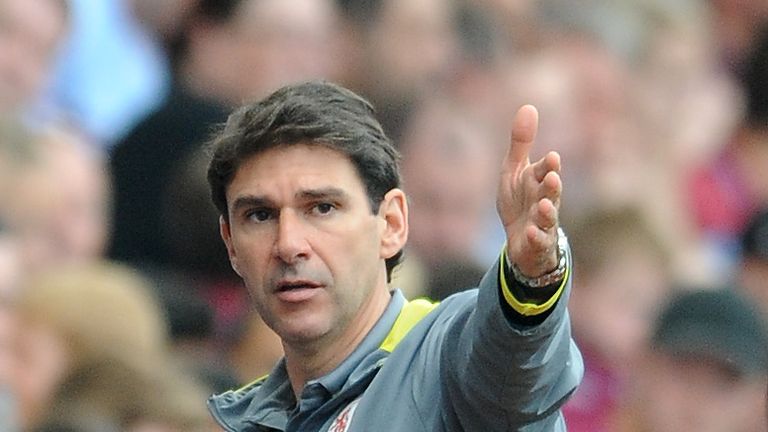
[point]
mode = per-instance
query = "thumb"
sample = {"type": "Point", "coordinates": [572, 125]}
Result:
{"type": "Point", "coordinates": [524, 128]}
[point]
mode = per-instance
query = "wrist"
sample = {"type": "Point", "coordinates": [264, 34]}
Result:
{"type": "Point", "coordinates": [550, 278]}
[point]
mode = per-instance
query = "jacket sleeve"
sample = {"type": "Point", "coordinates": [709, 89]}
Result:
{"type": "Point", "coordinates": [498, 375]}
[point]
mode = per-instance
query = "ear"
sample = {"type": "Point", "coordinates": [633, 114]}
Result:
{"type": "Point", "coordinates": [226, 235]}
{"type": "Point", "coordinates": [393, 214]}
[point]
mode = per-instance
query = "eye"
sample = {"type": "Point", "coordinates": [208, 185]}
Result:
{"type": "Point", "coordinates": [323, 208]}
{"type": "Point", "coordinates": [260, 214]}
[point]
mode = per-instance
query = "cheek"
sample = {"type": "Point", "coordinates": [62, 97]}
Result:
{"type": "Point", "coordinates": [350, 252]}
{"type": "Point", "coordinates": [251, 255]}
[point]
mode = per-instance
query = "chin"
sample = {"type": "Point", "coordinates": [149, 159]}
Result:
{"type": "Point", "coordinates": [303, 333]}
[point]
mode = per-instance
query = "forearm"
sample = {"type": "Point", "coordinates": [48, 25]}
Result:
{"type": "Point", "coordinates": [502, 373]}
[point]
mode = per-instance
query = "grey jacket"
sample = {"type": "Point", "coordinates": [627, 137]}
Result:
{"type": "Point", "coordinates": [462, 365]}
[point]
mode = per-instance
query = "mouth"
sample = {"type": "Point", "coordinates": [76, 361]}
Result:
{"type": "Point", "coordinates": [296, 290]}
{"type": "Point", "coordinates": [293, 285]}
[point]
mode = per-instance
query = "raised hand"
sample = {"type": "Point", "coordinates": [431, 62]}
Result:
{"type": "Point", "coordinates": [528, 199]}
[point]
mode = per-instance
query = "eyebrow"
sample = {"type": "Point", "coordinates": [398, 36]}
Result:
{"type": "Point", "coordinates": [246, 201]}
{"type": "Point", "coordinates": [322, 193]}
{"type": "Point", "coordinates": [305, 194]}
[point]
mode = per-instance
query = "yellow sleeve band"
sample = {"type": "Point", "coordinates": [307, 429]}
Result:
{"type": "Point", "coordinates": [410, 315]}
{"type": "Point", "coordinates": [528, 309]}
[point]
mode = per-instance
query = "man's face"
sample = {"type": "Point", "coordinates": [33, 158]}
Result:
{"type": "Point", "coordinates": [302, 236]}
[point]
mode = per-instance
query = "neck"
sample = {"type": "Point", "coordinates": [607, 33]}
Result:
{"type": "Point", "coordinates": [305, 362]}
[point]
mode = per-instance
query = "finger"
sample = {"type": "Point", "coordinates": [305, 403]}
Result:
{"type": "Point", "coordinates": [550, 162]}
{"type": "Point", "coordinates": [524, 127]}
{"type": "Point", "coordinates": [551, 188]}
{"type": "Point", "coordinates": [542, 246]}
{"type": "Point", "coordinates": [545, 215]}
{"type": "Point", "coordinates": [538, 240]}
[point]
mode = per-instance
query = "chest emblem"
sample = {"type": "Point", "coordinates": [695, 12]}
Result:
{"type": "Point", "coordinates": [344, 419]}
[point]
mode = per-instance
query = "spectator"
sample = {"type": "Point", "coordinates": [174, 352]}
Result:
{"type": "Point", "coordinates": [30, 34]}
{"type": "Point", "coordinates": [55, 197]}
{"type": "Point", "coordinates": [232, 51]}
{"type": "Point", "coordinates": [705, 369]}
{"type": "Point", "coordinates": [450, 174]}
{"type": "Point", "coordinates": [729, 189]}
{"type": "Point", "coordinates": [623, 279]}
{"type": "Point", "coordinates": [110, 72]}
{"type": "Point", "coordinates": [399, 49]}
{"type": "Point", "coordinates": [92, 355]}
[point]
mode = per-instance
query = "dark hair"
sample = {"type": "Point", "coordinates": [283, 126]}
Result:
{"type": "Point", "coordinates": [314, 112]}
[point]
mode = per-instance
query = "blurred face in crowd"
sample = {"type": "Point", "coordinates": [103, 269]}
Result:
{"type": "Point", "coordinates": [294, 42]}
{"type": "Point", "coordinates": [59, 205]}
{"type": "Point", "coordinates": [412, 44]}
{"type": "Point", "coordinates": [302, 235]}
{"type": "Point", "coordinates": [699, 394]}
{"type": "Point", "coordinates": [271, 43]}
{"type": "Point", "coordinates": [614, 308]}
{"type": "Point", "coordinates": [449, 172]}
{"type": "Point", "coordinates": [30, 31]}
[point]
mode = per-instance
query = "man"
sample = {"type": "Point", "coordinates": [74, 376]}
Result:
{"type": "Point", "coordinates": [314, 222]}
{"type": "Point", "coordinates": [623, 279]}
{"type": "Point", "coordinates": [705, 368]}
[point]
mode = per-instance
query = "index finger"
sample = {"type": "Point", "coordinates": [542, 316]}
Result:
{"type": "Point", "coordinates": [524, 128]}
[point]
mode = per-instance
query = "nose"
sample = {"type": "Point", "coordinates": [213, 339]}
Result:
{"type": "Point", "coordinates": [291, 244]}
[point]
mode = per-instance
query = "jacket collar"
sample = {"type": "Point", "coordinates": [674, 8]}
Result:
{"type": "Point", "coordinates": [269, 401]}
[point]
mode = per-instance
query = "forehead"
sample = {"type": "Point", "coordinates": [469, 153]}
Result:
{"type": "Point", "coordinates": [295, 166]}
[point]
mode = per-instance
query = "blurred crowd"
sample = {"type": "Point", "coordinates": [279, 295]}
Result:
{"type": "Point", "coordinates": [118, 308]}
